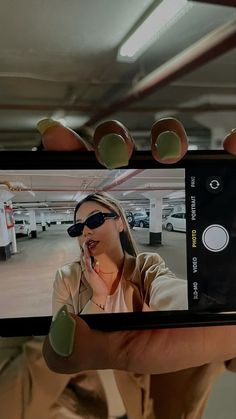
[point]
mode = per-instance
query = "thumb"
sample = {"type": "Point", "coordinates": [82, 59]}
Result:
{"type": "Point", "coordinates": [229, 143]}
{"type": "Point", "coordinates": [69, 347]}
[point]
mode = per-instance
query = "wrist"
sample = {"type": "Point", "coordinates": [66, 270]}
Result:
{"type": "Point", "coordinates": [99, 299]}
{"type": "Point", "coordinates": [101, 306]}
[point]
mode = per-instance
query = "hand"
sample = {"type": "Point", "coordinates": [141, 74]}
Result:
{"type": "Point", "coordinates": [99, 287]}
{"type": "Point", "coordinates": [145, 351]}
{"type": "Point", "coordinates": [229, 143]}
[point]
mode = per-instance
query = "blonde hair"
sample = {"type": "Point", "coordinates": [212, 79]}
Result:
{"type": "Point", "coordinates": [127, 242]}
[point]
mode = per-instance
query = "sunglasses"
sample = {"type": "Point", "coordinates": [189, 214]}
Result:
{"type": "Point", "coordinates": [92, 222]}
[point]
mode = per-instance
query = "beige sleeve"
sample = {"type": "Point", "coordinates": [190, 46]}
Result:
{"type": "Point", "coordinates": [165, 290]}
{"type": "Point", "coordinates": [61, 294]}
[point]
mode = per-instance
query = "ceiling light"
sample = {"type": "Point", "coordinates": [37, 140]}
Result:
{"type": "Point", "coordinates": [164, 15]}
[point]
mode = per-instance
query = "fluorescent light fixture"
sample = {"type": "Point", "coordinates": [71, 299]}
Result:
{"type": "Point", "coordinates": [164, 15]}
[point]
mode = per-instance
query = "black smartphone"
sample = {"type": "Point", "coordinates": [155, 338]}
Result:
{"type": "Point", "coordinates": [185, 212]}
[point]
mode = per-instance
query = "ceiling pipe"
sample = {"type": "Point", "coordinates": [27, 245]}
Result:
{"type": "Point", "coordinates": [206, 49]}
{"type": "Point", "coordinates": [180, 108]}
{"type": "Point", "coordinates": [121, 179]}
{"type": "Point", "coordinates": [230, 3]}
{"type": "Point", "coordinates": [6, 184]}
{"type": "Point", "coordinates": [118, 181]}
{"type": "Point", "coordinates": [143, 189]}
{"type": "Point", "coordinates": [47, 107]}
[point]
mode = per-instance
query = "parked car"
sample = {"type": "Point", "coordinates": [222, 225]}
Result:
{"type": "Point", "coordinates": [22, 228]}
{"type": "Point", "coordinates": [175, 221]}
{"type": "Point", "coordinates": [130, 218]}
{"type": "Point", "coordinates": [141, 219]}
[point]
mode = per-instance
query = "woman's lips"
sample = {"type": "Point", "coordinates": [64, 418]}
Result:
{"type": "Point", "coordinates": [91, 244]}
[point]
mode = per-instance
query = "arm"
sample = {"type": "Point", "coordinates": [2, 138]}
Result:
{"type": "Point", "coordinates": [66, 291]}
{"type": "Point", "coordinates": [61, 294]}
{"type": "Point", "coordinates": [96, 303]}
{"type": "Point", "coordinates": [164, 290]}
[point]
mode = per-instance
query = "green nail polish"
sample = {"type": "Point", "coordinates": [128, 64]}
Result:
{"type": "Point", "coordinates": [62, 332]}
{"type": "Point", "coordinates": [168, 145]}
{"type": "Point", "coordinates": [113, 151]}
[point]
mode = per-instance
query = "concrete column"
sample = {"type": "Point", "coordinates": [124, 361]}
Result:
{"type": "Point", "coordinates": [5, 251]}
{"type": "Point", "coordinates": [220, 123]}
{"type": "Point", "coordinates": [12, 231]}
{"type": "Point", "coordinates": [155, 220]}
{"type": "Point", "coordinates": [217, 136]}
{"type": "Point", "coordinates": [32, 220]}
{"type": "Point", "coordinates": [155, 217]}
{"type": "Point", "coordinates": [43, 222]}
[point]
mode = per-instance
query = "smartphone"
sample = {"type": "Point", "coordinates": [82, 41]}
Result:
{"type": "Point", "coordinates": [185, 212]}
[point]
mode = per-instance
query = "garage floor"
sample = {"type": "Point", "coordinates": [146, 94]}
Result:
{"type": "Point", "coordinates": [27, 277]}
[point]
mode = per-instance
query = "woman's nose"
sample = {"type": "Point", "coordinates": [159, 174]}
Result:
{"type": "Point", "coordinates": [86, 231]}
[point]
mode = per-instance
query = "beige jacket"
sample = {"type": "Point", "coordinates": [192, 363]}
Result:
{"type": "Point", "coordinates": [147, 285]}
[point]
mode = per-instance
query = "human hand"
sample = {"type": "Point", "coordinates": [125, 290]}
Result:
{"type": "Point", "coordinates": [147, 351]}
{"type": "Point", "coordinates": [143, 352]}
{"type": "Point", "coordinates": [91, 273]}
{"type": "Point", "coordinates": [169, 141]}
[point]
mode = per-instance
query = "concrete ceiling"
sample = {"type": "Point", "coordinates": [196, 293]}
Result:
{"type": "Point", "coordinates": [58, 59]}
{"type": "Point", "coordinates": [58, 190]}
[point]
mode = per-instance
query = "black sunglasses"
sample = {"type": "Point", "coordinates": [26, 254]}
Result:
{"type": "Point", "coordinates": [94, 221]}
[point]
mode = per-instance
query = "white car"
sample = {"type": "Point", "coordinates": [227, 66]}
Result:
{"type": "Point", "coordinates": [22, 228]}
{"type": "Point", "coordinates": [175, 221]}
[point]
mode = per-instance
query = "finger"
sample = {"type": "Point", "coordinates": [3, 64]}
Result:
{"type": "Point", "coordinates": [84, 354]}
{"type": "Point", "coordinates": [144, 352]}
{"type": "Point", "coordinates": [87, 258]}
{"type": "Point", "coordinates": [229, 143]}
{"type": "Point", "coordinates": [113, 144]}
{"type": "Point", "coordinates": [169, 142]}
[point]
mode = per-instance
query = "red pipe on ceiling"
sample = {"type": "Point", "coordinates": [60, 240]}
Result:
{"type": "Point", "coordinates": [121, 179]}
{"type": "Point", "coordinates": [230, 3]}
{"type": "Point", "coordinates": [206, 49]}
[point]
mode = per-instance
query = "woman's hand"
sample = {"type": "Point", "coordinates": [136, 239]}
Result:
{"type": "Point", "coordinates": [98, 285]}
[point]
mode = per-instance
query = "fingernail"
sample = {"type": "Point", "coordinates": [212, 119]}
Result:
{"type": "Point", "coordinates": [62, 332]}
{"type": "Point", "coordinates": [168, 145]}
{"type": "Point", "coordinates": [113, 151]}
{"type": "Point", "coordinates": [46, 123]}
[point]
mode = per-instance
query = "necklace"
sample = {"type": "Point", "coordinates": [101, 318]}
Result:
{"type": "Point", "coordinates": [107, 273]}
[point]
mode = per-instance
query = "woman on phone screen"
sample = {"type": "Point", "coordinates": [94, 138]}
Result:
{"type": "Point", "coordinates": [111, 276]}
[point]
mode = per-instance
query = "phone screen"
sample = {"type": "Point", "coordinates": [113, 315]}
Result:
{"type": "Point", "coordinates": [185, 215]}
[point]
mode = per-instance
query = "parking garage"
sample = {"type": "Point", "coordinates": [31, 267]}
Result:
{"type": "Point", "coordinates": [45, 199]}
